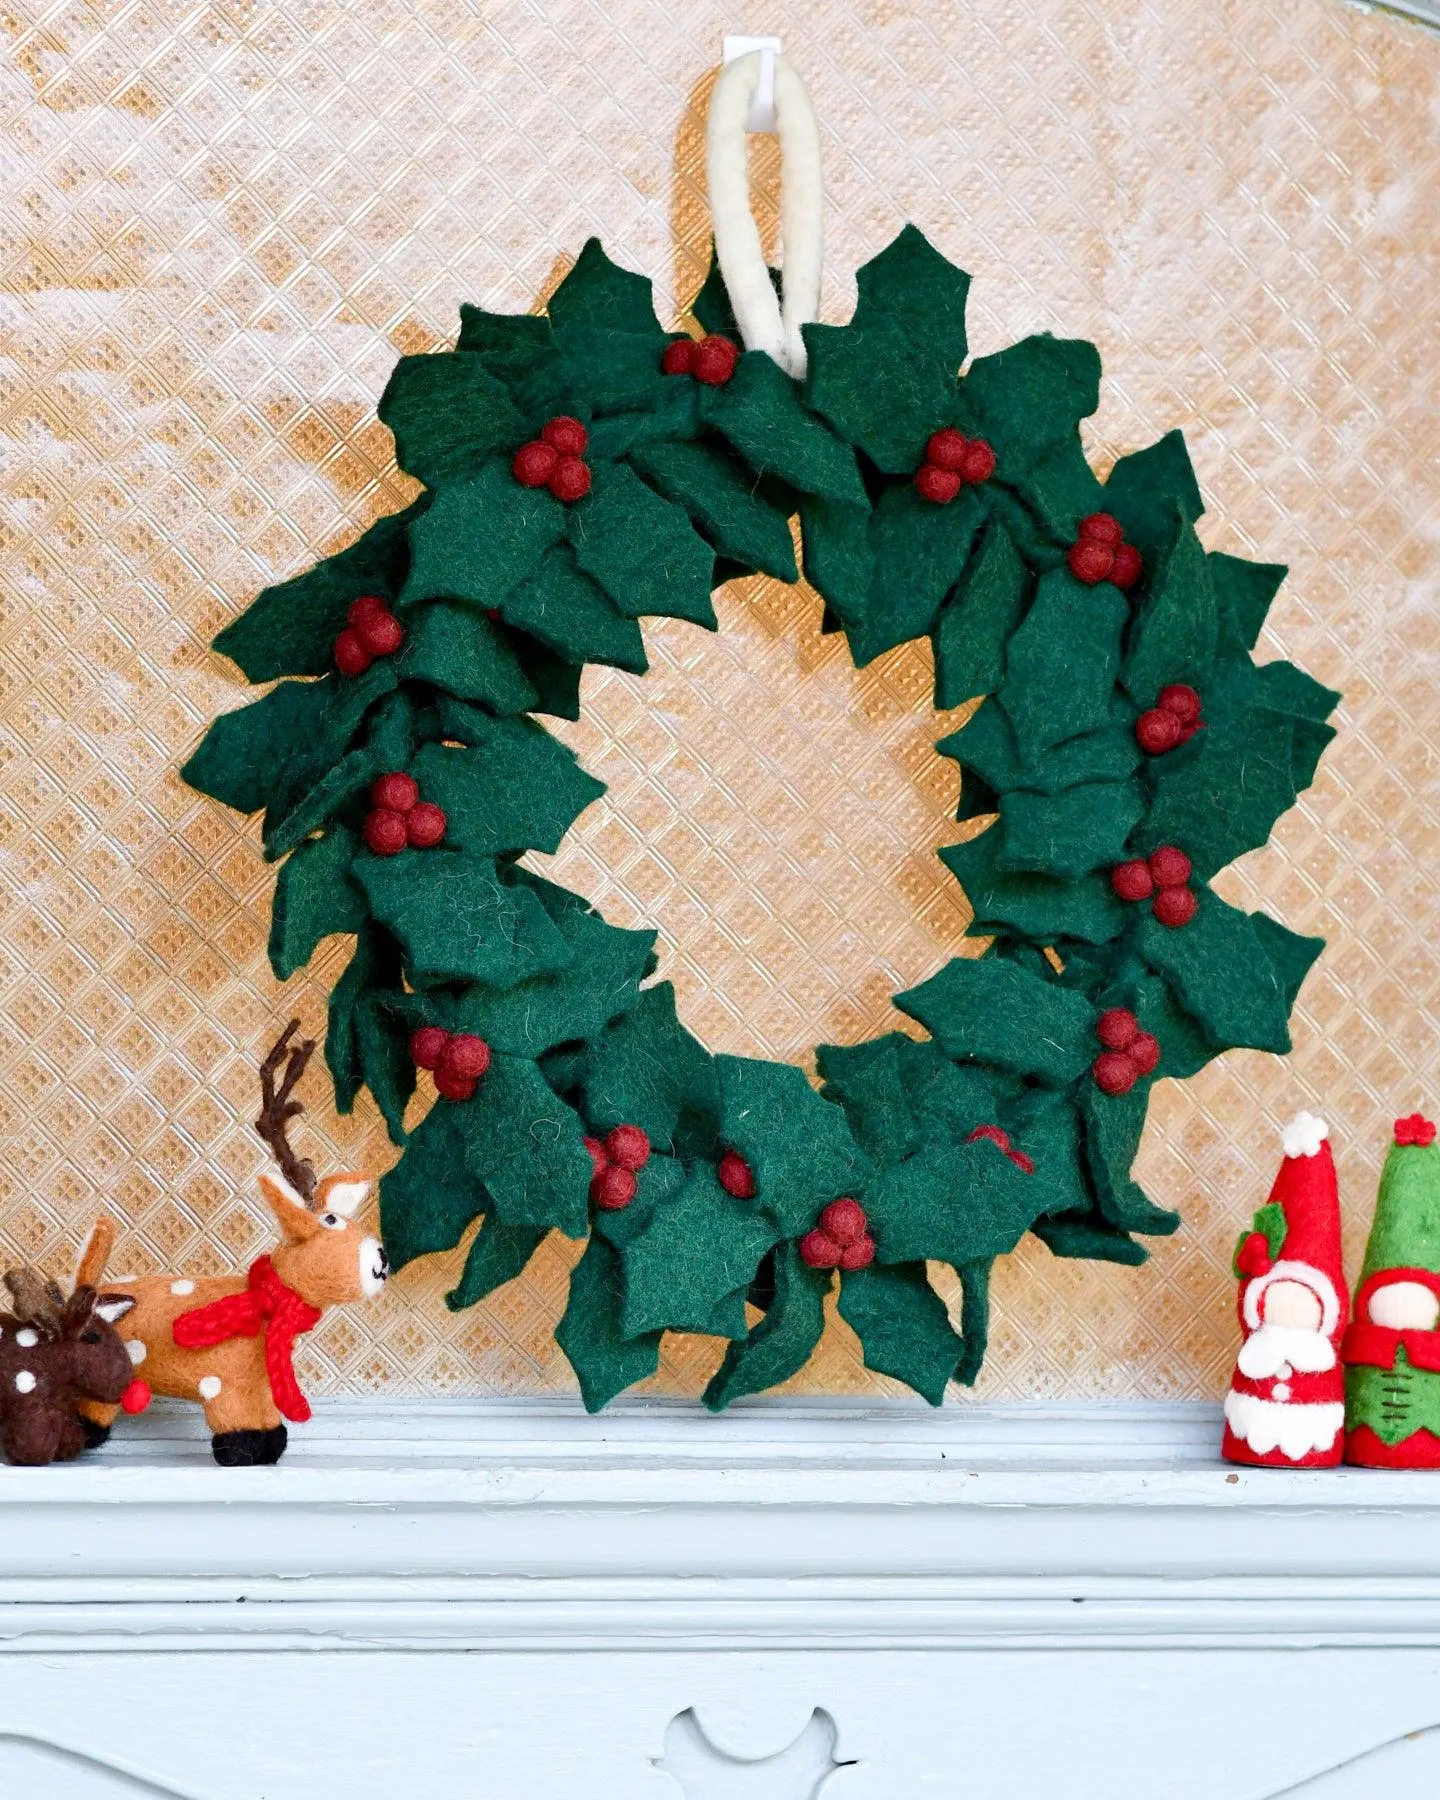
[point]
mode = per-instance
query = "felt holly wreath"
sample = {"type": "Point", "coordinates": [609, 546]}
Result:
{"type": "Point", "coordinates": [586, 468]}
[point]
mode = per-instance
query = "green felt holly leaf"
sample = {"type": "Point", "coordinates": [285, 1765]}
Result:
{"type": "Point", "coordinates": [903, 1326]}
{"type": "Point", "coordinates": [1285, 689]}
{"type": "Point", "coordinates": [456, 648]}
{"type": "Point", "coordinates": [997, 1012]}
{"type": "Point", "coordinates": [868, 1082]}
{"type": "Point", "coordinates": [515, 339]}
{"type": "Point", "coordinates": [948, 1101]}
{"type": "Point", "coordinates": [1269, 1221]}
{"type": "Point", "coordinates": [978, 620]}
{"type": "Point", "coordinates": [1173, 637]}
{"type": "Point", "coordinates": [838, 556]}
{"type": "Point", "coordinates": [527, 1146]}
{"type": "Point", "coordinates": [604, 325]}
{"type": "Point", "coordinates": [342, 1054]}
{"type": "Point", "coordinates": [556, 681]}
{"type": "Point", "coordinates": [699, 1247]}
{"type": "Point", "coordinates": [251, 757]}
{"type": "Point", "coordinates": [1244, 592]}
{"type": "Point", "coordinates": [723, 504]}
{"type": "Point", "coordinates": [1067, 835]}
{"type": "Point", "coordinates": [574, 616]}
{"type": "Point", "coordinates": [780, 1344]}
{"type": "Point", "coordinates": [431, 1195]}
{"type": "Point", "coordinates": [498, 1254]}
{"type": "Point", "coordinates": [642, 549]}
{"type": "Point", "coordinates": [1090, 1239]}
{"type": "Point", "coordinates": [1113, 1125]}
{"type": "Point", "coordinates": [314, 899]}
{"type": "Point", "coordinates": [985, 745]}
{"type": "Point", "coordinates": [449, 414]}
{"type": "Point", "coordinates": [1046, 1126]}
{"type": "Point", "coordinates": [1147, 488]}
{"type": "Point", "coordinates": [1185, 1047]}
{"type": "Point", "coordinates": [480, 538]}
{"type": "Point", "coordinates": [290, 628]}
{"type": "Point", "coordinates": [381, 1048]}
{"type": "Point", "coordinates": [1291, 956]}
{"type": "Point", "coordinates": [387, 746]}
{"type": "Point", "coordinates": [760, 413]}
{"type": "Point", "coordinates": [1030, 399]}
{"type": "Point", "coordinates": [1040, 907]}
{"type": "Point", "coordinates": [798, 1146]}
{"type": "Point", "coordinates": [911, 281]}
{"type": "Point", "coordinates": [974, 1320]}
{"type": "Point", "coordinates": [920, 553]}
{"type": "Point", "coordinates": [956, 1204]}
{"type": "Point", "coordinates": [1222, 793]}
{"type": "Point", "coordinates": [1050, 497]}
{"type": "Point", "coordinates": [604, 1360]}
{"type": "Point", "coordinates": [1062, 662]}
{"type": "Point", "coordinates": [646, 1069]}
{"type": "Point", "coordinates": [1221, 972]}
{"type": "Point", "coordinates": [517, 788]}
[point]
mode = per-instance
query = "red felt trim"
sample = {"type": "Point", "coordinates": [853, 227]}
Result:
{"type": "Point", "coordinates": [265, 1304]}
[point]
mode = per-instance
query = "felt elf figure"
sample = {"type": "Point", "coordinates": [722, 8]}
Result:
{"type": "Point", "coordinates": [1392, 1350]}
{"type": "Point", "coordinates": [1286, 1405]}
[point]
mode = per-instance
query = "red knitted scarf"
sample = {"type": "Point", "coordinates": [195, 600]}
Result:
{"type": "Point", "coordinates": [265, 1305]}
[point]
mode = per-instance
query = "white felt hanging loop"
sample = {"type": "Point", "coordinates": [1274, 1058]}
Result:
{"type": "Point", "coordinates": [765, 323]}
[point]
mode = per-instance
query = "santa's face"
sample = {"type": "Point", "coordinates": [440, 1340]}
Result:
{"type": "Point", "coordinates": [1290, 1334]}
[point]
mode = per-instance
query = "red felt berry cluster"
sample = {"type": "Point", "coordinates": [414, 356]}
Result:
{"type": "Point", "coordinates": [1129, 1052]}
{"type": "Point", "coordinates": [997, 1136]}
{"type": "Point", "coordinates": [712, 360]}
{"type": "Point", "coordinates": [1173, 720]}
{"type": "Point", "coordinates": [952, 462]}
{"type": "Point", "coordinates": [841, 1240]}
{"type": "Point", "coordinates": [736, 1175]}
{"type": "Point", "coordinates": [1253, 1257]}
{"type": "Point", "coordinates": [555, 460]}
{"type": "Point", "coordinates": [457, 1059]}
{"type": "Point", "coordinates": [398, 817]}
{"type": "Point", "coordinates": [1100, 553]}
{"type": "Point", "coordinates": [373, 631]}
{"type": "Point", "coordinates": [615, 1163]}
{"type": "Point", "coordinates": [1163, 880]}
{"type": "Point", "coordinates": [1415, 1128]}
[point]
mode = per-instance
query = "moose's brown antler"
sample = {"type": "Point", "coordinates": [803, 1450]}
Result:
{"type": "Point", "coordinates": [36, 1300]}
{"type": "Point", "coordinates": [277, 1108]}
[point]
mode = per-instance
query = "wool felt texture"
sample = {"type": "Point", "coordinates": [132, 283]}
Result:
{"type": "Point", "coordinates": [267, 1308]}
{"type": "Point", "coordinates": [507, 593]}
{"type": "Point", "coordinates": [56, 1355]}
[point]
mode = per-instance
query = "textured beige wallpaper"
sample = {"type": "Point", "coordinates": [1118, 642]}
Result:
{"type": "Point", "coordinates": [220, 225]}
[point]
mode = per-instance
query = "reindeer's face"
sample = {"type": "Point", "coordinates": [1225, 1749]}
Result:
{"type": "Point", "coordinates": [326, 1258]}
{"type": "Point", "coordinates": [90, 1352]}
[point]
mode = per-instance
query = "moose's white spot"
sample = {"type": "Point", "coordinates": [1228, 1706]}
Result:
{"type": "Point", "coordinates": [209, 1386]}
{"type": "Point", "coordinates": [26, 1338]}
{"type": "Point", "coordinates": [24, 1382]}
{"type": "Point", "coordinates": [182, 1287]}
{"type": "Point", "coordinates": [137, 1351]}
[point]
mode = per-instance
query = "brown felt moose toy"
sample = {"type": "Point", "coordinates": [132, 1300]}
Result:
{"type": "Point", "coordinates": [54, 1353]}
{"type": "Point", "coordinates": [226, 1340]}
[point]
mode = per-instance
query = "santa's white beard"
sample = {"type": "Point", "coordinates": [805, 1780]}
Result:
{"type": "Point", "coordinates": [1271, 1348]}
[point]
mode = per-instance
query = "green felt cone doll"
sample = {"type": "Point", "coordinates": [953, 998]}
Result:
{"type": "Point", "coordinates": [1392, 1350]}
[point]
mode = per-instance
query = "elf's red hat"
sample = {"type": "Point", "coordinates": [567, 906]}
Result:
{"type": "Point", "coordinates": [1308, 1194]}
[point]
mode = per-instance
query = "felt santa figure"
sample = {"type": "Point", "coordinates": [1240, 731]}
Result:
{"type": "Point", "coordinates": [1286, 1405]}
{"type": "Point", "coordinates": [1392, 1350]}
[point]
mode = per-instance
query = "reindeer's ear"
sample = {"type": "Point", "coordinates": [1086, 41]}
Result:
{"type": "Point", "coordinates": [95, 1253]}
{"type": "Point", "coordinates": [113, 1307]}
{"type": "Point", "coordinates": [295, 1219]}
{"type": "Point", "coordinates": [343, 1194]}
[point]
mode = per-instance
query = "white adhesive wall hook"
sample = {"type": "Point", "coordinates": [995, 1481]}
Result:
{"type": "Point", "coordinates": [761, 116]}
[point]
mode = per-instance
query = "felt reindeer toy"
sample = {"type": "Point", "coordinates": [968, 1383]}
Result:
{"type": "Point", "coordinates": [226, 1341]}
{"type": "Point", "coordinates": [54, 1353]}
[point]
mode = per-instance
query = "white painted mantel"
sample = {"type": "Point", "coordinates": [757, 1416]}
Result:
{"type": "Point", "coordinates": [515, 1602]}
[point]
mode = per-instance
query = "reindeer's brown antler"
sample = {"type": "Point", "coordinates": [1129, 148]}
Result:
{"type": "Point", "coordinates": [36, 1300]}
{"type": "Point", "coordinates": [277, 1108]}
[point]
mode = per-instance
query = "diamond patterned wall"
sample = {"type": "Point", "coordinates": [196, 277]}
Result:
{"type": "Point", "coordinates": [221, 222]}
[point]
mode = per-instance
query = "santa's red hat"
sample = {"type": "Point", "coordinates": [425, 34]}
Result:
{"type": "Point", "coordinates": [1308, 1194]}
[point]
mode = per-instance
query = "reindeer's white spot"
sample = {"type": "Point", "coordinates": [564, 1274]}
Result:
{"type": "Point", "coordinates": [182, 1287]}
{"type": "Point", "coordinates": [209, 1386]}
{"type": "Point", "coordinates": [24, 1382]}
{"type": "Point", "coordinates": [26, 1338]}
{"type": "Point", "coordinates": [137, 1351]}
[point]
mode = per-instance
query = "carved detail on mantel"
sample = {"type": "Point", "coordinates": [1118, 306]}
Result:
{"type": "Point", "coordinates": [704, 1771]}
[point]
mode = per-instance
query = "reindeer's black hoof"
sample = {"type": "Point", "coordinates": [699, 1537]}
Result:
{"type": "Point", "coordinates": [249, 1449]}
{"type": "Point", "coordinates": [95, 1433]}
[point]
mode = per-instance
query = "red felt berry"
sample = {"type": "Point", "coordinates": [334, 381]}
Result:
{"type": "Point", "coordinates": [844, 1220]}
{"type": "Point", "coordinates": [979, 462]}
{"type": "Point", "coordinates": [1415, 1128]}
{"type": "Point", "coordinates": [599, 1161]}
{"type": "Point", "coordinates": [427, 1044]}
{"type": "Point", "coordinates": [385, 832]}
{"type": "Point", "coordinates": [1144, 1052]}
{"type": "Point", "coordinates": [366, 607]}
{"type": "Point", "coordinates": [395, 792]}
{"type": "Point", "coordinates": [136, 1397]}
{"type": "Point", "coordinates": [946, 449]}
{"type": "Point", "coordinates": [1090, 561]}
{"type": "Point", "coordinates": [818, 1250]}
{"type": "Point", "coordinates": [736, 1176]}
{"type": "Point", "coordinates": [424, 825]}
{"type": "Point", "coordinates": [465, 1057]}
{"type": "Point", "coordinates": [1114, 1072]}
{"type": "Point", "coordinates": [938, 486]}
{"type": "Point", "coordinates": [613, 1188]}
{"type": "Point", "coordinates": [570, 481]}
{"type": "Point", "coordinates": [1174, 907]}
{"type": "Point", "coordinates": [1253, 1256]}
{"type": "Point", "coordinates": [534, 463]}
{"type": "Point", "coordinates": [566, 435]}
{"type": "Point", "coordinates": [1158, 731]}
{"type": "Point", "coordinates": [679, 357]}
{"type": "Point", "coordinates": [1169, 866]}
{"type": "Point", "coordinates": [714, 361]}
{"type": "Point", "coordinates": [1127, 567]}
{"type": "Point", "coordinates": [381, 635]}
{"type": "Point", "coordinates": [1182, 700]}
{"type": "Point", "coordinates": [1103, 528]}
{"type": "Point", "coordinates": [1132, 880]}
{"type": "Point", "coordinates": [351, 656]}
{"type": "Point", "coordinates": [1117, 1028]}
{"type": "Point", "coordinates": [453, 1087]}
{"type": "Point", "coordinates": [628, 1147]}
{"type": "Point", "coordinates": [858, 1255]}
